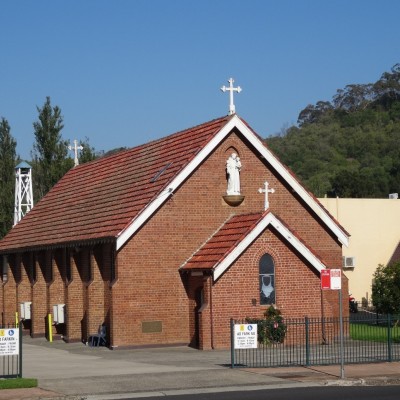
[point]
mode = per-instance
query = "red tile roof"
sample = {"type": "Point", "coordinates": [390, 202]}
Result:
{"type": "Point", "coordinates": [223, 241]}
{"type": "Point", "coordinates": [99, 199]}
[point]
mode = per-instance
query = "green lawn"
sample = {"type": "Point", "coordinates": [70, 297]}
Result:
{"type": "Point", "coordinates": [374, 333]}
{"type": "Point", "coordinates": [18, 383]}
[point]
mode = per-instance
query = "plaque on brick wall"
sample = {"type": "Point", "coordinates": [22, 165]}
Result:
{"type": "Point", "coordinates": [151, 326]}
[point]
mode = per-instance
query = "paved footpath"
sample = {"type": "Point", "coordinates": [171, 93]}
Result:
{"type": "Point", "coordinates": [75, 371]}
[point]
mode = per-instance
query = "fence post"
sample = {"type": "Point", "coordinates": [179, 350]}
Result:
{"type": "Point", "coordinates": [50, 328]}
{"type": "Point", "coordinates": [20, 351]}
{"type": "Point", "coordinates": [232, 345]}
{"type": "Point", "coordinates": [389, 337]}
{"type": "Point", "coordinates": [306, 325]}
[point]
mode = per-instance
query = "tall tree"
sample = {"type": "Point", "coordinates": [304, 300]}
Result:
{"type": "Point", "coordinates": [50, 152]}
{"type": "Point", "coordinates": [386, 289]}
{"type": "Point", "coordinates": [8, 160]}
{"type": "Point", "coordinates": [88, 153]}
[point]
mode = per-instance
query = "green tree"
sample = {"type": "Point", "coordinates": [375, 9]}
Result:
{"type": "Point", "coordinates": [353, 97]}
{"type": "Point", "coordinates": [312, 114]}
{"type": "Point", "coordinates": [320, 184]}
{"type": "Point", "coordinates": [8, 161]}
{"type": "Point", "coordinates": [88, 153]}
{"type": "Point", "coordinates": [50, 152]}
{"type": "Point", "coordinates": [386, 289]}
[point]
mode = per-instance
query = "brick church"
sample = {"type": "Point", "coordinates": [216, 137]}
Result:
{"type": "Point", "coordinates": [165, 242]}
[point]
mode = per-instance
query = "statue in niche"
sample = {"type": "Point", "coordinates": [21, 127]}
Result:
{"type": "Point", "coordinates": [233, 167]}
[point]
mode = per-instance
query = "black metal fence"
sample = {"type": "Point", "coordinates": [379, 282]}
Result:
{"type": "Point", "coordinates": [367, 337]}
{"type": "Point", "coordinates": [10, 351]}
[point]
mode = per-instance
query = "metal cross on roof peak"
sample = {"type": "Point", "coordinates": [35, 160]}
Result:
{"type": "Point", "coordinates": [231, 89]}
{"type": "Point", "coordinates": [75, 148]}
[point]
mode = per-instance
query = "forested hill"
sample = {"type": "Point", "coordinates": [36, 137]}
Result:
{"type": "Point", "coordinates": [350, 146]}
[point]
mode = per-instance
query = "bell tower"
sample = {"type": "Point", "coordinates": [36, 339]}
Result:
{"type": "Point", "coordinates": [23, 191]}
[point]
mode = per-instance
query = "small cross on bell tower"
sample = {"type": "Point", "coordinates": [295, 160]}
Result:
{"type": "Point", "coordinates": [231, 89]}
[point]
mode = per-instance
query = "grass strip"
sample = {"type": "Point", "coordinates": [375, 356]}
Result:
{"type": "Point", "coordinates": [18, 383]}
{"type": "Point", "coordinates": [374, 333]}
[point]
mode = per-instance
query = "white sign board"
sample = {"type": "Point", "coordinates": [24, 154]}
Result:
{"type": "Point", "coordinates": [245, 336]}
{"type": "Point", "coordinates": [336, 279]}
{"type": "Point", "coordinates": [9, 342]}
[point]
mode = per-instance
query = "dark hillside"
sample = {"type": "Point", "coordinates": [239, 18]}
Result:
{"type": "Point", "coordinates": [349, 147]}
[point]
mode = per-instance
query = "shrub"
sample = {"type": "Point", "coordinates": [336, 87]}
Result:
{"type": "Point", "coordinates": [270, 329]}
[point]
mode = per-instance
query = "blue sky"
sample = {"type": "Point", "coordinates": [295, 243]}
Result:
{"type": "Point", "coordinates": [127, 72]}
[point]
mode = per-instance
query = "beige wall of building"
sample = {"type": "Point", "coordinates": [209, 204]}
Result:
{"type": "Point", "coordinates": [375, 232]}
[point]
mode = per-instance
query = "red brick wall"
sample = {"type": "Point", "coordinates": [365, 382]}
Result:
{"type": "Point", "coordinates": [24, 286]}
{"type": "Point", "coordinates": [98, 290]}
{"type": "Point", "coordinates": [10, 290]}
{"type": "Point", "coordinates": [56, 289]}
{"type": "Point", "coordinates": [75, 324]}
{"type": "Point", "coordinates": [95, 291]}
{"type": "Point", "coordinates": [39, 296]}
{"type": "Point", "coordinates": [149, 286]}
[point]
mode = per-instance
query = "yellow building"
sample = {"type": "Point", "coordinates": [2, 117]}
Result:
{"type": "Point", "coordinates": [375, 233]}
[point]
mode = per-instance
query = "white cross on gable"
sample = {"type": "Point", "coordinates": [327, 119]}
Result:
{"type": "Point", "coordinates": [266, 191]}
{"type": "Point", "coordinates": [75, 148]}
{"type": "Point", "coordinates": [231, 89]}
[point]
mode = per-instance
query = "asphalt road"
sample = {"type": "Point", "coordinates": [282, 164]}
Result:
{"type": "Point", "coordinates": [309, 393]}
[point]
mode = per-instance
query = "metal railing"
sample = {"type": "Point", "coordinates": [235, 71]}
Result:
{"type": "Point", "coordinates": [368, 337]}
{"type": "Point", "coordinates": [10, 351]}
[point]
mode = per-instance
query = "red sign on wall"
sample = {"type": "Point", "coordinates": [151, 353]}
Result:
{"type": "Point", "coordinates": [331, 279]}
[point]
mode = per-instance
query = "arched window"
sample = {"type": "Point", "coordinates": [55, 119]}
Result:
{"type": "Point", "coordinates": [267, 280]}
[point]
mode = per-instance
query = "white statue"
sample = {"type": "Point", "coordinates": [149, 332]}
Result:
{"type": "Point", "coordinates": [266, 289]}
{"type": "Point", "coordinates": [233, 166]}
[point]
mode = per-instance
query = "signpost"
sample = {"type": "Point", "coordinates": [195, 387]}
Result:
{"type": "Point", "coordinates": [325, 279]}
{"type": "Point", "coordinates": [331, 279]}
{"type": "Point", "coordinates": [245, 336]}
{"type": "Point", "coordinates": [11, 352]}
{"type": "Point", "coordinates": [9, 342]}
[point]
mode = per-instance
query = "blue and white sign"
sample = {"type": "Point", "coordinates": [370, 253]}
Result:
{"type": "Point", "coordinates": [245, 336]}
{"type": "Point", "coordinates": [9, 342]}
